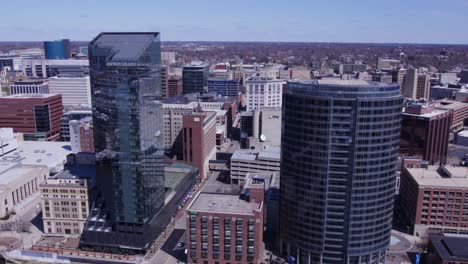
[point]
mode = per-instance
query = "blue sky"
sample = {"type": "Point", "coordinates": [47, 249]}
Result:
{"type": "Point", "coordinates": [415, 21]}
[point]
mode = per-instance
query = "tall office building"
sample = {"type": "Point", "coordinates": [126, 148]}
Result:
{"type": "Point", "coordinates": [338, 170]}
{"type": "Point", "coordinates": [425, 132]}
{"type": "Point", "coordinates": [416, 85]}
{"type": "Point", "coordinates": [125, 70]}
{"type": "Point", "coordinates": [58, 49]}
{"type": "Point", "coordinates": [410, 83]}
{"type": "Point", "coordinates": [174, 86]}
{"type": "Point", "coordinates": [199, 140]}
{"type": "Point", "coordinates": [422, 86]}
{"type": "Point", "coordinates": [195, 78]}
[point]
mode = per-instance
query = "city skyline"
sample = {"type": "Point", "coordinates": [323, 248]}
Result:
{"type": "Point", "coordinates": [366, 22]}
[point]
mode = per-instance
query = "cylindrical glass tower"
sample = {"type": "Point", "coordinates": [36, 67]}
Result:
{"type": "Point", "coordinates": [339, 145]}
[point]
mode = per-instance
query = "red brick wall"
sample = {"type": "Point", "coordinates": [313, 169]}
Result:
{"type": "Point", "coordinates": [18, 113]}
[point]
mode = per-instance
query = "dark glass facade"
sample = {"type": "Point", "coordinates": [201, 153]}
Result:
{"type": "Point", "coordinates": [42, 118]}
{"type": "Point", "coordinates": [426, 136]}
{"type": "Point", "coordinates": [59, 49]}
{"type": "Point", "coordinates": [125, 72]}
{"type": "Point", "coordinates": [338, 170]}
{"type": "Point", "coordinates": [195, 79]}
{"type": "Point", "coordinates": [224, 87]}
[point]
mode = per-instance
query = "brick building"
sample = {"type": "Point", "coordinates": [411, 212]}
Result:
{"type": "Point", "coordinates": [174, 86]}
{"type": "Point", "coordinates": [81, 135]}
{"type": "Point", "coordinates": [435, 199]}
{"type": "Point", "coordinates": [37, 116]}
{"type": "Point", "coordinates": [199, 139]}
{"type": "Point", "coordinates": [225, 229]}
{"type": "Point", "coordinates": [425, 132]}
{"type": "Point", "coordinates": [459, 112]}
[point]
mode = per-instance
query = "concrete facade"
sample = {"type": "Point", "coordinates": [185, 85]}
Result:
{"type": "Point", "coordinates": [244, 162]}
{"type": "Point", "coordinates": [263, 92]}
{"type": "Point", "coordinates": [19, 184]}
{"type": "Point", "coordinates": [29, 87]}
{"type": "Point", "coordinates": [75, 91]}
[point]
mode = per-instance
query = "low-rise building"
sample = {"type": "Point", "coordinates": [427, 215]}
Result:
{"type": "Point", "coordinates": [243, 162]}
{"type": "Point", "coordinates": [224, 229]}
{"type": "Point", "coordinates": [435, 199]}
{"type": "Point", "coordinates": [459, 112]}
{"type": "Point", "coordinates": [37, 116]}
{"type": "Point", "coordinates": [65, 197]}
{"type": "Point", "coordinates": [447, 249]}
{"type": "Point", "coordinates": [224, 87]}
{"type": "Point", "coordinates": [52, 155]}
{"type": "Point", "coordinates": [29, 87]}
{"type": "Point", "coordinates": [19, 186]}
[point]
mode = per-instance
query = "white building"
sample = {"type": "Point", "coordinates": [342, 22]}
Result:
{"type": "Point", "coordinates": [168, 57]}
{"type": "Point", "coordinates": [271, 71]}
{"type": "Point", "coordinates": [263, 92]}
{"type": "Point", "coordinates": [387, 63]}
{"type": "Point", "coordinates": [243, 162]}
{"type": "Point", "coordinates": [8, 141]}
{"type": "Point", "coordinates": [41, 67]}
{"type": "Point", "coordinates": [262, 127]}
{"type": "Point", "coordinates": [29, 87]}
{"type": "Point", "coordinates": [52, 155]}
{"type": "Point", "coordinates": [19, 185]}
{"type": "Point", "coordinates": [75, 91]}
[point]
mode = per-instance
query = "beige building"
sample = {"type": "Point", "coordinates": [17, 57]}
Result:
{"type": "Point", "coordinates": [19, 185]}
{"type": "Point", "coordinates": [244, 162]}
{"type": "Point", "coordinates": [416, 85]}
{"type": "Point", "coordinates": [173, 121]}
{"type": "Point", "coordinates": [65, 204]}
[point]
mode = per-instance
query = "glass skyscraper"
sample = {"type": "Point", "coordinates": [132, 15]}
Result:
{"type": "Point", "coordinates": [195, 78]}
{"type": "Point", "coordinates": [58, 49]}
{"type": "Point", "coordinates": [340, 142]}
{"type": "Point", "coordinates": [125, 70]}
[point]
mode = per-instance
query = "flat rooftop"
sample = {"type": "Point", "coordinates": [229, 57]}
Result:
{"type": "Point", "coordinates": [333, 81]}
{"type": "Point", "coordinates": [12, 173]}
{"type": "Point", "coordinates": [223, 203]}
{"type": "Point", "coordinates": [451, 247]}
{"type": "Point", "coordinates": [28, 96]}
{"type": "Point", "coordinates": [340, 82]}
{"type": "Point", "coordinates": [431, 114]}
{"type": "Point", "coordinates": [47, 153]}
{"type": "Point", "coordinates": [433, 176]}
{"type": "Point", "coordinates": [446, 104]}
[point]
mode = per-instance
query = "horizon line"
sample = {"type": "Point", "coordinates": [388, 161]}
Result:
{"type": "Point", "coordinates": [254, 41]}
